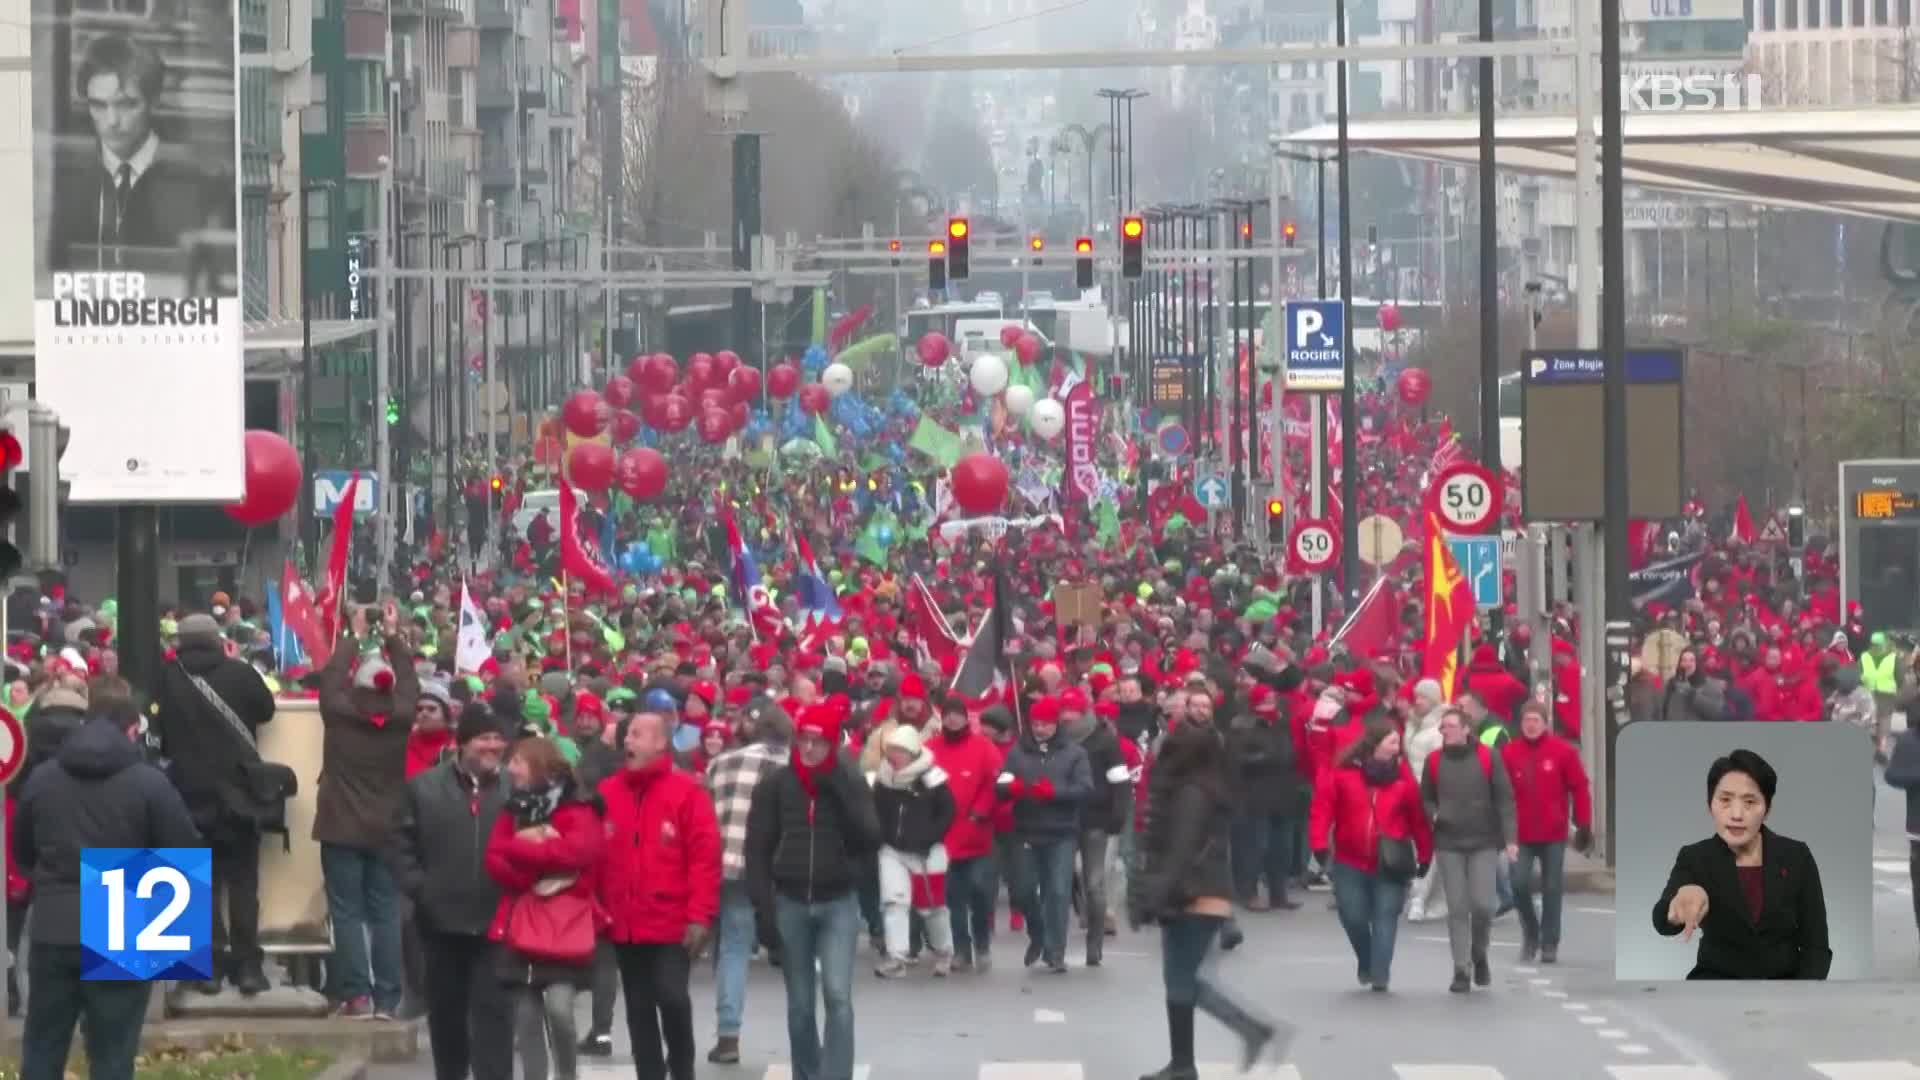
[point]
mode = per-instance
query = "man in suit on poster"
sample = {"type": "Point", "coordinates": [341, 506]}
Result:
{"type": "Point", "coordinates": [130, 191]}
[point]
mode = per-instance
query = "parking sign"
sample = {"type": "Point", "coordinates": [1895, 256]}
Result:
{"type": "Point", "coordinates": [1316, 346]}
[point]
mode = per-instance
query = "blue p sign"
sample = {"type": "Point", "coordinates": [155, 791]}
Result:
{"type": "Point", "coordinates": [1316, 356]}
{"type": "Point", "coordinates": [146, 913]}
{"type": "Point", "coordinates": [1306, 323]}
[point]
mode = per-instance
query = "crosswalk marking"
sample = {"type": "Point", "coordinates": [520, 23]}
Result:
{"type": "Point", "coordinates": [785, 1072]}
{"type": "Point", "coordinates": [1663, 1072]}
{"type": "Point", "coordinates": [1225, 1071]}
{"type": "Point", "coordinates": [1031, 1070]}
{"type": "Point", "coordinates": [1447, 1072]}
{"type": "Point", "coordinates": [1868, 1070]}
{"type": "Point", "coordinates": [1890, 866]}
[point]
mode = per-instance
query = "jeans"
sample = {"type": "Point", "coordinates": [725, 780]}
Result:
{"type": "Point", "coordinates": [1184, 944]}
{"type": "Point", "coordinates": [732, 955]}
{"type": "Point", "coordinates": [236, 888]}
{"type": "Point", "coordinates": [654, 979]}
{"type": "Point", "coordinates": [544, 1017]}
{"type": "Point", "coordinates": [1467, 878]}
{"type": "Point", "coordinates": [898, 898]}
{"type": "Point", "coordinates": [1093, 883]}
{"type": "Point", "coordinates": [823, 934]}
{"type": "Point", "coordinates": [1007, 867]}
{"type": "Point", "coordinates": [469, 1012]}
{"type": "Point", "coordinates": [1542, 928]}
{"type": "Point", "coordinates": [970, 887]}
{"type": "Point", "coordinates": [1263, 848]}
{"type": "Point", "coordinates": [365, 909]}
{"type": "Point", "coordinates": [1045, 883]}
{"type": "Point", "coordinates": [1369, 907]}
{"type": "Point", "coordinates": [1913, 871]}
{"type": "Point", "coordinates": [58, 998]}
{"type": "Point", "coordinates": [606, 988]}
{"type": "Point", "coordinates": [1503, 889]}
{"type": "Point", "coordinates": [870, 898]}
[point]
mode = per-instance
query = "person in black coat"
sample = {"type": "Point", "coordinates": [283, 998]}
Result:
{"type": "Point", "coordinates": [209, 756]}
{"type": "Point", "coordinates": [98, 793]}
{"type": "Point", "coordinates": [1903, 773]}
{"type": "Point", "coordinates": [1184, 882]}
{"type": "Point", "coordinates": [1272, 799]}
{"type": "Point", "coordinates": [1753, 894]}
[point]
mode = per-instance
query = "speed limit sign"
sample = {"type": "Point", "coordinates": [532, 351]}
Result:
{"type": "Point", "coordinates": [1315, 544]}
{"type": "Point", "coordinates": [1467, 496]}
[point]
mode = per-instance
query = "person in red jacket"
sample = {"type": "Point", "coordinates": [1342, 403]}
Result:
{"type": "Point", "coordinates": [971, 761]}
{"type": "Point", "coordinates": [1549, 785]}
{"type": "Point", "coordinates": [660, 886]}
{"type": "Point", "coordinates": [1368, 802]}
{"type": "Point", "coordinates": [1566, 689]}
{"type": "Point", "coordinates": [546, 845]}
{"type": "Point", "coordinates": [1782, 691]}
{"type": "Point", "coordinates": [1488, 678]}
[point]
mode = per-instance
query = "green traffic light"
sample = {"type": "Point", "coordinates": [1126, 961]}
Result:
{"type": "Point", "coordinates": [393, 411]}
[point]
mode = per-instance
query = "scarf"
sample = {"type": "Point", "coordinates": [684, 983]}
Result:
{"type": "Point", "coordinates": [810, 776]}
{"type": "Point", "coordinates": [424, 750]}
{"type": "Point", "coordinates": [1380, 772]}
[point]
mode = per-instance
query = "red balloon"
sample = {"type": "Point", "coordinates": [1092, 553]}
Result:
{"type": "Point", "coordinates": [740, 415]}
{"type": "Point", "coordinates": [1389, 318]}
{"type": "Point", "coordinates": [979, 483]}
{"type": "Point", "coordinates": [272, 478]}
{"type": "Point", "coordinates": [700, 371]}
{"type": "Point", "coordinates": [590, 466]}
{"type": "Point", "coordinates": [1413, 385]}
{"type": "Point", "coordinates": [934, 348]}
{"type": "Point", "coordinates": [724, 362]}
{"type": "Point", "coordinates": [815, 398]}
{"type": "Point", "coordinates": [782, 381]}
{"type": "Point", "coordinates": [1010, 335]}
{"type": "Point", "coordinates": [643, 473]}
{"type": "Point", "coordinates": [637, 370]}
{"type": "Point", "coordinates": [585, 413]}
{"type": "Point", "coordinates": [676, 412]}
{"type": "Point", "coordinates": [1028, 349]}
{"type": "Point", "coordinates": [714, 427]}
{"type": "Point", "coordinates": [744, 383]}
{"type": "Point", "coordinates": [626, 426]}
{"type": "Point", "coordinates": [658, 373]}
{"type": "Point", "coordinates": [713, 397]}
{"type": "Point", "coordinates": [546, 451]}
{"type": "Point", "coordinates": [619, 392]}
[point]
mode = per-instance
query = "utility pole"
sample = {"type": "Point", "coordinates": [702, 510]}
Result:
{"type": "Point", "coordinates": [1277, 438]}
{"type": "Point", "coordinates": [486, 396]}
{"type": "Point", "coordinates": [1349, 404]}
{"type": "Point", "coordinates": [382, 380]}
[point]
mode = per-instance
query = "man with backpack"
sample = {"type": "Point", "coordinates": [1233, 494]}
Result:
{"type": "Point", "coordinates": [211, 706]}
{"type": "Point", "coordinates": [1469, 798]}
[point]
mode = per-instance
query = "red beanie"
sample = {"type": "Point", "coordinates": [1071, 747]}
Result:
{"type": "Point", "coordinates": [1045, 710]}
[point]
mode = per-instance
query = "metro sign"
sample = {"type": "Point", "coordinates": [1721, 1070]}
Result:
{"type": "Point", "coordinates": [330, 486]}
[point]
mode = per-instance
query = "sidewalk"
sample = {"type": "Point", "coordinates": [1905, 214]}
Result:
{"type": "Point", "coordinates": [1588, 875]}
{"type": "Point", "coordinates": [346, 1041]}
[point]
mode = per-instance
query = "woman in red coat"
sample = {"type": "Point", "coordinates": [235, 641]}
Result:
{"type": "Point", "coordinates": [1369, 827]}
{"type": "Point", "coordinates": [546, 844]}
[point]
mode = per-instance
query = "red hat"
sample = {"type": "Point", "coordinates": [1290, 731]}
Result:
{"type": "Point", "coordinates": [705, 691]}
{"type": "Point", "coordinates": [738, 696]}
{"type": "Point", "coordinates": [1045, 710]}
{"type": "Point", "coordinates": [1074, 700]}
{"type": "Point", "coordinates": [1263, 701]}
{"type": "Point", "coordinates": [912, 687]}
{"type": "Point", "coordinates": [716, 726]}
{"type": "Point", "coordinates": [821, 719]}
{"type": "Point", "coordinates": [1107, 710]}
{"type": "Point", "coordinates": [1358, 683]}
{"type": "Point", "coordinates": [587, 703]}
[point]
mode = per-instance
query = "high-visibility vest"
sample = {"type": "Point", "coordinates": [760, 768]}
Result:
{"type": "Point", "coordinates": [1878, 675]}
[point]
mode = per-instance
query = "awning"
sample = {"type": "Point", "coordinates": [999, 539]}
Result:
{"type": "Point", "coordinates": [1862, 162]}
{"type": "Point", "coordinates": [284, 335]}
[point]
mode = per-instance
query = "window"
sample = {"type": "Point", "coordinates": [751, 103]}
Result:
{"type": "Point", "coordinates": [1836, 13]}
{"type": "Point", "coordinates": [366, 90]}
{"type": "Point", "coordinates": [363, 206]}
{"type": "Point", "coordinates": [1879, 12]}
{"type": "Point", "coordinates": [1793, 14]}
{"type": "Point", "coordinates": [1299, 70]}
{"type": "Point", "coordinates": [313, 118]}
{"type": "Point", "coordinates": [1813, 15]}
{"type": "Point", "coordinates": [319, 220]}
{"type": "Point", "coordinates": [1859, 13]}
{"type": "Point", "coordinates": [1769, 17]}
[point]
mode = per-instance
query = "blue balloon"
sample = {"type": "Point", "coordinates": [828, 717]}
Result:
{"type": "Point", "coordinates": [686, 737]}
{"type": "Point", "coordinates": [814, 359]}
{"type": "Point", "coordinates": [658, 700]}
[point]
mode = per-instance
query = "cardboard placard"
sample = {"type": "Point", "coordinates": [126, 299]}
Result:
{"type": "Point", "coordinates": [1077, 605]}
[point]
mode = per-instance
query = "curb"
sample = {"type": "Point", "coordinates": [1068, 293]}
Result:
{"type": "Point", "coordinates": [347, 1041]}
{"type": "Point", "coordinates": [1590, 880]}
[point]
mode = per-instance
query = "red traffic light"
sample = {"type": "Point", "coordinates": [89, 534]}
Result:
{"type": "Point", "coordinates": [1132, 228]}
{"type": "Point", "coordinates": [1083, 246]}
{"type": "Point", "coordinates": [1246, 229]}
{"type": "Point", "coordinates": [957, 228]}
{"type": "Point", "coordinates": [893, 245]}
{"type": "Point", "coordinates": [498, 482]}
{"type": "Point", "coordinates": [10, 453]}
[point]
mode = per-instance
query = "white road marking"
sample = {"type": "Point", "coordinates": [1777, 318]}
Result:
{"type": "Point", "coordinates": [1541, 982]}
{"type": "Point", "coordinates": [1611, 1033]}
{"type": "Point", "coordinates": [785, 1072]}
{"type": "Point", "coordinates": [1220, 1070]}
{"type": "Point", "coordinates": [1595, 910]}
{"type": "Point", "coordinates": [1574, 1006]}
{"type": "Point", "coordinates": [1634, 1049]}
{"type": "Point", "coordinates": [1032, 1070]}
{"type": "Point", "coordinates": [1525, 969]}
{"type": "Point", "coordinates": [1890, 866]}
{"type": "Point", "coordinates": [1447, 1072]}
{"type": "Point", "coordinates": [1049, 1016]}
{"type": "Point", "coordinates": [1556, 995]}
{"type": "Point", "coordinates": [1593, 1021]}
{"type": "Point", "coordinates": [1662, 1072]}
{"type": "Point", "coordinates": [1868, 1070]}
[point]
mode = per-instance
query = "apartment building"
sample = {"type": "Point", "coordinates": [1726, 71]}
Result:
{"type": "Point", "coordinates": [1835, 52]}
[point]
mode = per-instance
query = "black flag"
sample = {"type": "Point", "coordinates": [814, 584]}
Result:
{"type": "Point", "coordinates": [985, 663]}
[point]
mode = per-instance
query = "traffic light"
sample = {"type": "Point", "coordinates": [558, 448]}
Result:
{"type": "Point", "coordinates": [1290, 231]}
{"type": "Point", "coordinates": [1133, 235]}
{"type": "Point", "coordinates": [10, 504]}
{"type": "Point", "coordinates": [1276, 521]}
{"type": "Point", "coordinates": [498, 483]}
{"type": "Point", "coordinates": [893, 246]}
{"type": "Point", "coordinates": [1083, 262]}
{"type": "Point", "coordinates": [1036, 244]}
{"type": "Point", "coordinates": [958, 234]}
{"type": "Point", "coordinates": [1796, 527]}
{"type": "Point", "coordinates": [1246, 230]}
{"type": "Point", "coordinates": [393, 410]}
{"type": "Point", "coordinates": [936, 264]}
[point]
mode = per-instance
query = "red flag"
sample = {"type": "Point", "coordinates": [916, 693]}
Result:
{"type": "Point", "coordinates": [932, 634]}
{"type": "Point", "coordinates": [1373, 624]}
{"type": "Point", "coordinates": [575, 560]}
{"type": "Point", "coordinates": [1450, 611]}
{"type": "Point", "coordinates": [844, 329]}
{"type": "Point", "coordinates": [1742, 524]}
{"type": "Point", "coordinates": [298, 612]}
{"type": "Point", "coordinates": [1641, 537]}
{"type": "Point", "coordinates": [333, 594]}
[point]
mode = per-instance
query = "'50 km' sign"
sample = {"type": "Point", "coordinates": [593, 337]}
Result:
{"type": "Point", "coordinates": [1467, 497]}
{"type": "Point", "coordinates": [1314, 544]}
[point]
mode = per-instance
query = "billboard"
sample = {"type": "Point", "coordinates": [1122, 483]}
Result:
{"type": "Point", "coordinates": [138, 337]}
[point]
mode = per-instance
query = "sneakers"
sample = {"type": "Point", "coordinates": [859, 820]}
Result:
{"type": "Point", "coordinates": [960, 966]}
{"type": "Point", "coordinates": [1056, 967]}
{"type": "Point", "coordinates": [890, 969]}
{"type": "Point", "coordinates": [1549, 954]}
{"type": "Point", "coordinates": [1529, 950]}
{"type": "Point", "coordinates": [1258, 903]}
{"type": "Point", "coordinates": [982, 961]}
{"type": "Point", "coordinates": [726, 1050]}
{"type": "Point", "coordinates": [1482, 972]}
{"type": "Point", "coordinates": [358, 1008]}
{"type": "Point", "coordinates": [252, 983]}
{"type": "Point", "coordinates": [942, 964]}
{"type": "Point", "coordinates": [1416, 912]}
{"type": "Point", "coordinates": [600, 1044]}
{"type": "Point", "coordinates": [1231, 936]}
{"type": "Point", "coordinates": [1459, 985]}
{"type": "Point", "coordinates": [1033, 954]}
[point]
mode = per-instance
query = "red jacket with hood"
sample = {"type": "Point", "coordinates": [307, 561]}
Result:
{"type": "Point", "coordinates": [1349, 816]}
{"type": "Point", "coordinates": [971, 765]}
{"type": "Point", "coordinates": [1493, 684]}
{"type": "Point", "coordinates": [661, 870]}
{"type": "Point", "coordinates": [1548, 778]}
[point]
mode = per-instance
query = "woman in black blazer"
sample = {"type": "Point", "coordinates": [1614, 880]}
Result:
{"type": "Point", "coordinates": [1754, 894]}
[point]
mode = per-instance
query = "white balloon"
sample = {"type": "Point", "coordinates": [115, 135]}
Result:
{"type": "Point", "coordinates": [838, 379]}
{"type": "Point", "coordinates": [989, 375]}
{"type": "Point", "coordinates": [1019, 399]}
{"type": "Point", "coordinates": [1049, 418]}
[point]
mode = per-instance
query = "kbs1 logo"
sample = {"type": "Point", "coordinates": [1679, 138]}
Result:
{"type": "Point", "coordinates": [146, 914]}
{"type": "Point", "coordinates": [1654, 91]}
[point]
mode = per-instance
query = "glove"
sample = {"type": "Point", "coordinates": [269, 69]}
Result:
{"type": "Point", "coordinates": [1421, 870]}
{"type": "Point", "coordinates": [1043, 789]}
{"type": "Point", "coordinates": [695, 940]}
{"type": "Point", "coordinates": [1583, 840]}
{"type": "Point", "coordinates": [1013, 789]}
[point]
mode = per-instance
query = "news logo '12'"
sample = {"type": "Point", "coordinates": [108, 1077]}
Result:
{"type": "Point", "coordinates": [146, 913]}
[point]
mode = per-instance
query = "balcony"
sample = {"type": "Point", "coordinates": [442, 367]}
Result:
{"type": "Point", "coordinates": [533, 89]}
{"type": "Point", "coordinates": [496, 170]}
{"type": "Point", "coordinates": [496, 15]}
{"type": "Point", "coordinates": [534, 169]}
{"type": "Point", "coordinates": [407, 9]}
{"type": "Point", "coordinates": [493, 89]}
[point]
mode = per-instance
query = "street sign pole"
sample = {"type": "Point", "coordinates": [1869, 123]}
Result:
{"type": "Point", "coordinates": [1317, 496]}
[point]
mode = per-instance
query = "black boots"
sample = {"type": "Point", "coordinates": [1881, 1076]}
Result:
{"type": "Point", "coordinates": [1256, 1035]}
{"type": "Point", "coordinates": [1180, 1039]}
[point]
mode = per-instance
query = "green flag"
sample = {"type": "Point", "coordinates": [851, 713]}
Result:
{"type": "Point", "coordinates": [856, 356]}
{"type": "Point", "coordinates": [820, 317]}
{"type": "Point", "coordinates": [823, 436]}
{"type": "Point", "coordinates": [936, 441]}
{"type": "Point", "coordinates": [1107, 523]}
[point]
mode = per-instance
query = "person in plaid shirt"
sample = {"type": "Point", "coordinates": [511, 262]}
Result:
{"type": "Point", "coordinates": [731, 779]}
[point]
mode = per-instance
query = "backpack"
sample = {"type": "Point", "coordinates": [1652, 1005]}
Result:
{"type": "Point", "coordinates": [1432, 768]}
